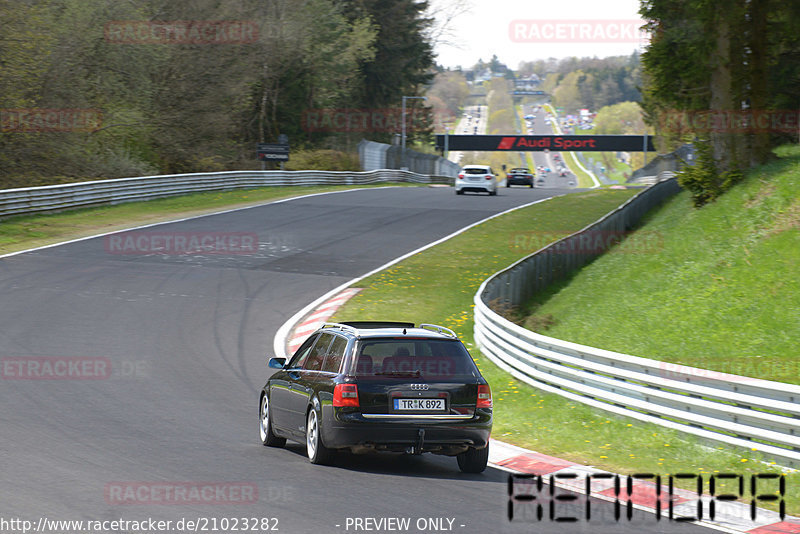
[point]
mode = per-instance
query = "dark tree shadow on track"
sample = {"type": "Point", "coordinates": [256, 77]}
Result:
{"type": "Point", "coordinates": [419, 466]}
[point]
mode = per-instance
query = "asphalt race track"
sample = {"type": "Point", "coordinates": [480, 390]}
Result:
{"type": "Point", "coordinates": [150, 407]}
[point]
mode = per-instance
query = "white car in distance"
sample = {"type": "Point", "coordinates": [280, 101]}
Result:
{"type": "Point", "coordinates": [477, 178]}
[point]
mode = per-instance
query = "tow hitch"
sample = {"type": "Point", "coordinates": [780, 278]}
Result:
{"type": "Point", "coordinates": [417, 447]}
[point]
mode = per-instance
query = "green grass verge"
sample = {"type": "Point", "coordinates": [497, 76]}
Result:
{"type": "Point", "coordinates": [716, 288]}
{"type": "Point", "coordinates": [438, 285]}
{"type": "Point", "coordinates": [28, 231]}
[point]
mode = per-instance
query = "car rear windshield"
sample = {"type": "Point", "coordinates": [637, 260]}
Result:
{"type": "Point", "coordinates": [476, 171]}
{"type": "Point", "coordinates": [435, 359]}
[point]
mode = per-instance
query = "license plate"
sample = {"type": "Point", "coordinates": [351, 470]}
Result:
{"type": "Point", "coordinates": [419, 405]}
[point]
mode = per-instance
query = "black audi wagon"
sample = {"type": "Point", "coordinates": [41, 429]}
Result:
{"type": "Point", "coordinates": [379, 386]}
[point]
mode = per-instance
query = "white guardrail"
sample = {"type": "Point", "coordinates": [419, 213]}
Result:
{"type": "Point", "coordinates": [737, 410]}
{"type": "Point", "coordinates": [56, 197]}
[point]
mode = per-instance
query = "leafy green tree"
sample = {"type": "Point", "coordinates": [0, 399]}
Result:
{"type": "Point", "coordinates": [624, 118]}
{"type": "Point", "coordinates": [567, 94]}
{"type": "Point", "coordinates": [403, 59]}
{"type": "Point", "coordinates": [451, 87]}
{"type": "Point", "coordinates": [184, 107]}
{"type": "Point", "coordinates": [724, 57]}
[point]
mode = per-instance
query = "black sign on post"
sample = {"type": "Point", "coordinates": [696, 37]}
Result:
{"type": "Point", "coordinates": [556, 143]}
{"type": "Point", "coordinates": [273, 152]}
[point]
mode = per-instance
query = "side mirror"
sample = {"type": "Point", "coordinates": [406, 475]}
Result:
{"type": "Point", "coordinates": [277, 363]}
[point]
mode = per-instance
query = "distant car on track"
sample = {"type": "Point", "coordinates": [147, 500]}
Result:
{"type": "Point", "coordinates": [379, 386]}
{"type": "Point", "coordinates": [477, 178]}
{"type": "Point", "coordinates": [519, 176]}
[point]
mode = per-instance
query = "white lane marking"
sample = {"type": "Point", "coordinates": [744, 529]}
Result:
{"type": "Point", "coordinates": [281, 201]}
{"type": "Point", "coordinates": [279, 342]}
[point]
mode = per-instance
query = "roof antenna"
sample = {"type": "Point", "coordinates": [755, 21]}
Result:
{"type": "Point", "coordinates": [404, 331]}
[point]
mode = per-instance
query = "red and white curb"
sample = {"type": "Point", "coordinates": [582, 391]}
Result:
{"type": "Point", "coordinates": [729, 516]}
{"type": "Point", "coordinates": [317, 318]}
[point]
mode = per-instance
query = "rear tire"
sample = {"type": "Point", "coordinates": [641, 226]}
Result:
{"type": "Point", "coordinates": [473, 460]}
{"type": "Point", "coordinates": [268, 438]}
{"type": "Point", "coordinates": [317, 452]}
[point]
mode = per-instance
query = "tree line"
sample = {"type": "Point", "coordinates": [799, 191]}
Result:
{"type": "Point", "coordinates": [724, 74]}
{"type": "Point", "coordinates": [186, 87]}
{"type": "Point", "coordinates": [592, 83]}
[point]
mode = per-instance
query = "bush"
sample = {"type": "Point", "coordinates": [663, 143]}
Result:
{"type": "Point", "coordinates": [323, 160]}
{"type": "Point", "coordinates": [703, 180]}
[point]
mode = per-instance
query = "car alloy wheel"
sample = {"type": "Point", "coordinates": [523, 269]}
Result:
{"type": "Point", "coordinates": [265, 426]}
{"type": "Point", "coordinates": [317, 452]}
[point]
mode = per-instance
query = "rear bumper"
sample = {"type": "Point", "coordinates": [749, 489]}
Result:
{"type": "Point", "coordinates": [476, 186]}
{"type": "Point", "coordinates": [354, 431]}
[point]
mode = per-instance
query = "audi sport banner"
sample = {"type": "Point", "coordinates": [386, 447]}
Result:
{"type": "Point", "coordinates": [556, 143]}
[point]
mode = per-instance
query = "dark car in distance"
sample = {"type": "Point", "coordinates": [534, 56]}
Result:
{"type": "Point", "coordinates": [379, 386]}
{"type": "Point", "coordinates": [519, 176]}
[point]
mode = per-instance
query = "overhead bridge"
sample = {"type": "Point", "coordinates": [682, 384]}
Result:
{"type": "Point", "coordinates": [559, 143]}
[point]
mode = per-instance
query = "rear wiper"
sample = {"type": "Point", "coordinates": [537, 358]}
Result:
{"type": "Point", "coordinates": [415, 372]}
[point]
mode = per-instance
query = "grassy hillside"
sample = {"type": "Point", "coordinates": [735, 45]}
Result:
{"type": "Point", "coordinates": [718, 287]}
{"type": "Point", "coordinates": [425, 288]}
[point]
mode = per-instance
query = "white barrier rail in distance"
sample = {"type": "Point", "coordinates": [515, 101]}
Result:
{"type": "Point", "coordinates": [81, 194]}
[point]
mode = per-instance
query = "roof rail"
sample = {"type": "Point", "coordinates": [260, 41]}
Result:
{"type": "Point", "coordinates": [378, 324]}
{"type": "Point", "coordinates": [440, 329]}
{"type": "Point", "coordinates": [342, 327]}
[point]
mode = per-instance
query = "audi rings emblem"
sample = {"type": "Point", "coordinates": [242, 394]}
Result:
{"type": "Point", "coordinates": [419, 387]}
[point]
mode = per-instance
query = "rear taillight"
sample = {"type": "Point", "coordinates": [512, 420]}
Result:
{"type": "Point", "coordinates": [347, 395]}
{"type": "Point", "coordinates": [489, 176]}
{"type": "Point", "coordinates": [484, 396]}
{"type": "Point", "coordinates": [460, 176]}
